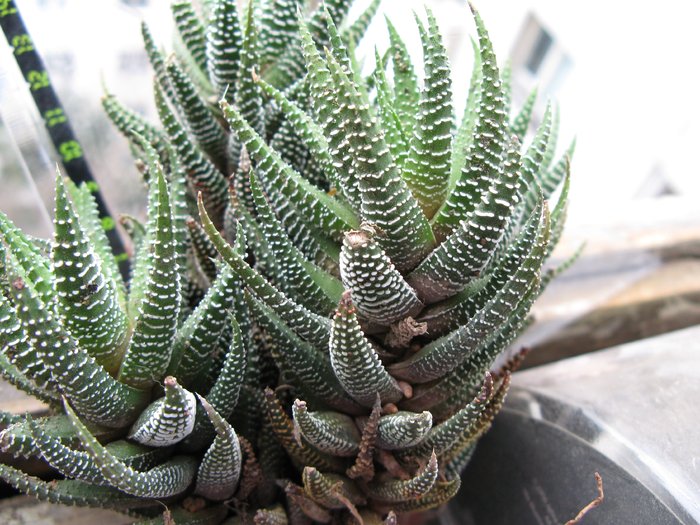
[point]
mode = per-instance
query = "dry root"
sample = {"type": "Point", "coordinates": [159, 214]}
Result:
{"type": "Point", "coordinates": [593, 504]}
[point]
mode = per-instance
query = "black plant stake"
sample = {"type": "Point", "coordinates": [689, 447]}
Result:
{"type": "Point", "coordinates": [56, 121]}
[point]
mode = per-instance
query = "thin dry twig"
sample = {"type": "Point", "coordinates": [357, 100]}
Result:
{"type": "Point", "coordinates": [593, 504]}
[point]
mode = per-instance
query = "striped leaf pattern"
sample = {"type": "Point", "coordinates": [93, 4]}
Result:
{"type": "Point", "coordinates": [379, 291]}
{"type": "Point", "coordinates": [330, 266]}
{"type": "Point", "coordinates": [220, 469]}
{"type": "Point", "coordinates": [90, 307]}
{"type": "Point", "coordinates": [191, 31]}
{"type": "Point", "coordinates": [150, 347]}
{"type": "Point", "coordinates": [329, 432]}
{"type": "Point", "coordinates": [355, 362]}
{"type": "Point", "coordinates": [201, 124]}
{"type": "Point", "coordinates": [167, 420]}
{"type": "Point", "coordinates": [487, 147]}
{"type": "Point", "coordinates": [427, 168]}
{"type": "Point", "coordinates": [223, 47]}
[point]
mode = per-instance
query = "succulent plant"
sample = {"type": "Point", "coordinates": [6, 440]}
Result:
{"type": "Point", "coordinates": [330, 267]}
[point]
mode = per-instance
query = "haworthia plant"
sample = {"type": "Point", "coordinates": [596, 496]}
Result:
{"type": "Point", "coordinates": [330, 265]}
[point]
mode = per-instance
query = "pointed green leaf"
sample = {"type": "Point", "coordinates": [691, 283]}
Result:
{"type": "Point", "coordinates": [96, 395]}
{"type": "Point", "coordinates": [394, 131]}
{"type": "Point", "coordinates": [403, 429]}
{"type": "Point", "coordinates": [203, 250]}
{"type": "Point", "coordinates": [507, 80]}
{"type": "Point", "coordinates": [337, 48]}
{"type": "Point", "coordinates": [89, 218]}
{"type": "Point", "coordinates": [463, 138]}
{"type": "Point", "coordinates": [224, 394]}
{"type": "Point", "coordinates": [79, 465]}
{"type": "Point", "coordinates": [248, 95]}
{"type": "Point", "coordinates": [217, 477]}
{"type": "Point", "coordinates": [196, 341]}
{"type": "Point", "coordinates": [458, 310]}
{"type": "Point", "coordinates": [551, 179]}
{"type": "Point", "coordinates": [406, 92]}
{"type": "Point", "coordinates": [467, 250]}
{"type": "Point", "coordinates": [88, 303]}
{"type": "Point", "coordinates": [554, 136]}
{"type": "Point", "coordinates": [386, 201]}
{"type": "Point", "coordinates": [402, 490]}
{"type": "Point", "coordinates": [202, 175]}
{"type": "Point", "coordinates": [18, 438]}
{"type": "Point", "coordinates": [181, 200]}
{"type": "Point", "coordinates": [223, 47]}
{"type": "Point", "coordinates": [353, 33]}
{"type": "Point", "coordinates": [201, 123]}
{"type": "Point", "coordinates": [277, 176]}
{"type": "Point", "coordinates": [488, 144]}
{"type": "Point", "coordinates": [521, 123]}
{"type": "Point", "coordinates": [148, 354]}
{"type": "Point", "coordinates": [325, 108]}
{"type": "Point", "coordinates": [70, 492]}
{"type": "Point", "coordinates": [167, 420]}
{"type": "Point", "coordinates": [442, 355]}
{"type": "Point", "coordinates": [330, 432]}
{"type": "Point", "coordinates": [468, 377]}
{"type": "Point", "coordinates": [427, 169]}
{"type": "Point", "coordinates": [379, 292]}
{"type": "Point", "coordinates": [308, 130]}
{"type": "Point", "coordinates": [311, 327]}
{"type": "Point", "coordinates": [128, 121]}
{"type": "Point", "coordinates": [303, 281]}
{"type": "Point", "coordinates": [561, 267]}
{"type": "Point", "coordinates": [168, 479]}
{"type": "Point", "coordinates": [310, 237]}
{"type": "Point", "coordinates": [355, 362]}
{"type": "Point", "coordinates": [191, 31]}
{"type": "Point", "coordinates": [559, 213]}
{"type": "Point", "coordinates": [310, 369]}
{"type": "Point", "coordinates": [155, 57]}
{"type": "Point", "coordinates": [533, 165]}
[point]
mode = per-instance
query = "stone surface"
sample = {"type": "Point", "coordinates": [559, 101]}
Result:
{"type": "Point", "coordinates": [626, 306]}
{"type": "Point", "coordinates": [24, 510]}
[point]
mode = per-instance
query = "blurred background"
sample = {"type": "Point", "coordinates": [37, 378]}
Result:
{"type": "Point", "coordinates": [624, 75]}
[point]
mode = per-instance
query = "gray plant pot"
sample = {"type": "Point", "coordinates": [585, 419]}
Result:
{"type": "Point", "coordinates": [631, 413]}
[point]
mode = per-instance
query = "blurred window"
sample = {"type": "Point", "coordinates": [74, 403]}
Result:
{"type": "Point", "coordinates": [539, 50]}
{"type": "Point", "coordinates": [538, 60]}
